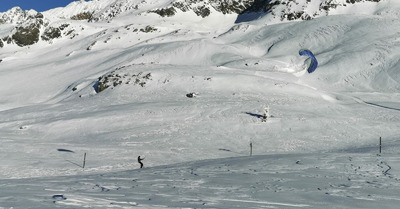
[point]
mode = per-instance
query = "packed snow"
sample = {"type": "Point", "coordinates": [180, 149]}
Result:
{"type": "Point", "coordinates": [319, 147]}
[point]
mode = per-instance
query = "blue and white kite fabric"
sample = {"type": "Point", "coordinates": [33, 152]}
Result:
{"type": "Point", "coordinates": [314, 62]}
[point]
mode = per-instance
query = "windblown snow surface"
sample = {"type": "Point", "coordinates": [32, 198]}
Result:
{"type": "Point", "coordinates": [319, 148]}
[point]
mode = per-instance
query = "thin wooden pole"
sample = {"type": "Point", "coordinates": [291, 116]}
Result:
{"type": "Point", "coordinates": [251, 149]}
{"type": "Point", "coordinates": [84, 160]}
{"type": "Point", "coordinates": [380, 145]}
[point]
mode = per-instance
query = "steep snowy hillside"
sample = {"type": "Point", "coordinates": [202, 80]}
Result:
{"type": "Point", "coordinates": [181, 81]}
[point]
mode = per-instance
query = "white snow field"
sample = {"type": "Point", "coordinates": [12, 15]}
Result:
{"type": "Point", "coordinates": [318, 149]}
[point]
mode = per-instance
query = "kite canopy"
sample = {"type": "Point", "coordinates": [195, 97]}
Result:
{"type": "Point", "coordinates": [314, 62]}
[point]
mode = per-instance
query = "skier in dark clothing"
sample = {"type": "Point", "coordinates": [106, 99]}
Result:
{"type": "Point", "coordinates": [140, 161]}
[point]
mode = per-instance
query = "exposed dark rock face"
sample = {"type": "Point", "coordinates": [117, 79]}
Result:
{"type": "Point", "coordinates": [28, 26]}
{"type": "Point", "coordinates": [223, 6]}
{"type": "Point", "coordinates": [148, 29]}
{"type": "Point", "coordinates": [82, 16]}
{"type": "Point", "coordinates": [51, 33]}
{"type": "Point", "coordinates": [26, 35]}
{"type": "Point", "coordinates": [165, 12]}
{"type": "Point", "coordinates": [285, 9]}
{"type": "Point", "coordinates": [201, 8]}
{"type": "Point", "coordinates": [7, 39]}
{"type": "Point", "coordinates": [118, 77]}
{"type": "Point", "coordinates": [202, 11]}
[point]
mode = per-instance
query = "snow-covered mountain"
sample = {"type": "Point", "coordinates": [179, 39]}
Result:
{"type": "Point", "coordinates": [184, 84]}
{"type": "Point", "coordinates": [31, 27]}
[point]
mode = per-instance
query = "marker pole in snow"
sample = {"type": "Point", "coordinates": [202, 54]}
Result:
{"type": "Point", "coordinates": [380, 145]}
{"type": "Point", "coordinates": [84, 160]}
{"type": "Point", "coordinates": [251, 149]}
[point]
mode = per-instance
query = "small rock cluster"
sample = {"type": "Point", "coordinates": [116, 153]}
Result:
{"type": "Point", "coordinates": [117, 77]}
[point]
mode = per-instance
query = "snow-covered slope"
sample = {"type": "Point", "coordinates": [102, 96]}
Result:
{"type": "Point", "coordinates": [111, 78]}
{"type": "Point", "coordinates": [351, 180]}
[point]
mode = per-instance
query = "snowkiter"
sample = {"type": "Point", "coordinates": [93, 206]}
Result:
{"type": "Point", "coordinates": [140, 161]}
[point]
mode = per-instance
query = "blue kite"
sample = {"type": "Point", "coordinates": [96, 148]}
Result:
{"type": "Point", "coordinates": [314, 62]}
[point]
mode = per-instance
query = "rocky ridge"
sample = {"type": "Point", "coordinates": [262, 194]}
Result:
{"type": "Point", "coordinates": [30, 27]}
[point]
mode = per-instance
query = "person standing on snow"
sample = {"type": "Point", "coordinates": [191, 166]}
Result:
{"type": "Point", "coordinates": [140, 161]}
